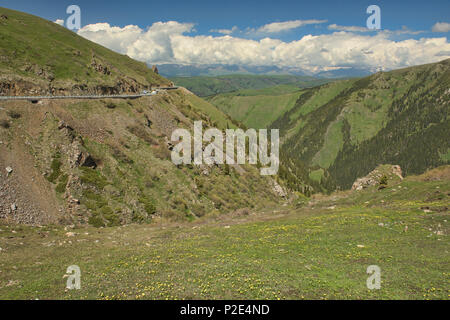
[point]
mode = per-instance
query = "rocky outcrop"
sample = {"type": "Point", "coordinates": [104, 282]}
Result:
{"type": "Point", "coordinates": [374, 177]}
{"type": "Point", "coordinates": [278, 190]}
{"type": "Point", "coordinates": [45, 73]}
{"type": "Point", "coordinates": [21, 87]}
{"type": "Point", "coordinates": [99, 67]}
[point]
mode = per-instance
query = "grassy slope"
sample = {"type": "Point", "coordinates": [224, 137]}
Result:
{"type": "Point", "coordinates": [135, 179]}
{"type": "Point", "coordinates": [207, 86]}
{"type": "Point", "coordinates": [319, 251]}
{"type": "Point", "coordinates": [257, 108]}
{"type": "Point", "coordinates": [349, 127]}
{"type": "Point", "coordinates": [29, 41]}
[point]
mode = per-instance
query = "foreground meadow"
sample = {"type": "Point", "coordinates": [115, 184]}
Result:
{"type": "Point", "coordinates": [318, 250]}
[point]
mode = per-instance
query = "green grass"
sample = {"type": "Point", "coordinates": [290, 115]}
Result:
{"type": "Point", "coordinates": [316, 175]}
{"type": "Point", "coordinates": [323, 95]}
{"type": "Point", "coordinates": [220, 119]}
{"type": "Point", "coordinates": [31, 45]}
{"type": "Point", "coordinates": [56, 168]}
{"type": "Point", "coordinates": [334, 141]}
{"type": "Point", "coordinates": [310, 253]}
{"type": "Point", "coordinates": [257, 108]}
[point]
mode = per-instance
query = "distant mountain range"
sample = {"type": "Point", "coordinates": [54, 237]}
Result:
{"type": "Point", "coordinates": [205, 86]}
{"type": "Point", "coordinates": [178, 70]}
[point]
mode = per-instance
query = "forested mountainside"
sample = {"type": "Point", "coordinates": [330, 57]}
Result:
{"type": "Point", "coordinates": [342, 130]}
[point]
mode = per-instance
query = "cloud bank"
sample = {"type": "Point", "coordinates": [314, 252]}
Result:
{"type": "Point", "coordinates": [170, 42]}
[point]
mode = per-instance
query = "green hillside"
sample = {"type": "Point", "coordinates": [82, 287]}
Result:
{"type": "Point", "coordinates": [257, 108]}
{"type": "Point", "coordinates": [204, 86]}
{"type": "Point", "coordinates": [103, 162]}
{"type": "Point", "coordinates": [39, 56]}
{"type": "Point", "coordinates": [342, 130]}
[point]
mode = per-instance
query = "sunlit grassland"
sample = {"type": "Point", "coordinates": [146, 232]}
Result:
{"type": "Point", "coordinates": [316, 252]}
{"type": "Point", "coordinates": [257, 108]}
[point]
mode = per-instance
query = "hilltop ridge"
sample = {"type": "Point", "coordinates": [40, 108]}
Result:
{"type": "Point", "coordinates": [41, 57]}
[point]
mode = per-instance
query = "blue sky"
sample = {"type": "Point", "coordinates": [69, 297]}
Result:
{"type": "Point", "coordinates": [211, 14]}
{"type": "Point", "coordinates": [334, 26]}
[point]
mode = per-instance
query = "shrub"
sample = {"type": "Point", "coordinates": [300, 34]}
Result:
{"type": "Point", "coordinates": [61, 187]}
{"type": "Point", "coordinates": [138, 217]}
{"type": "Point", "coordinates": [148, 205]}
{"type": "Point", "coordinates": [96, 221]}
{"type": "Point", "coordinates": [110, 215]}
{"type": "Point", "coordinates": [4, 124]}
{"type": "Point", "coordinates": [56, 169]}
{"type": "Point", "coordinates": [111, 105]}
{"type": "Point", "coordinates": [94, 201]}
{"type": "Point", "coordinates": [383, 182]}
{"type": "Point", "coordinates": [199, 210]}
{"type": "Point", "coordinates": [93, 178]}
{"type": "Point", "coordinates": [14, 114]}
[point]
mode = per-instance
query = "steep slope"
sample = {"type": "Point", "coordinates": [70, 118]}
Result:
{"type": "Point", "coordinates": [103, 162]}
{"type": "Point", "coordinates": [204, 86]}
{"type": "Point", "coordinates": [340, 131]}
{"type": "Point", "coordinates": [40, 57]}
{"type": "Point", "coordinates": [257, 108]}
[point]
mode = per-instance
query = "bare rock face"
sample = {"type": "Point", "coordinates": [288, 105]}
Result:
{"type": "Point", "coordinates": [397, 171]}
{"type": "Point", "coordinates": [374, 177]}
{"type": "Point", "coordinates": [12, 86]}
{"type": "Point", "coordinates": [155, 69]}
{"type": "Point", "coordinates": [278, 190]}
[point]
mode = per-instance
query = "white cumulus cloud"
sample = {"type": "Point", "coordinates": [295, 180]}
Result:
{"type": "Point", "coordinates": [170, 42]}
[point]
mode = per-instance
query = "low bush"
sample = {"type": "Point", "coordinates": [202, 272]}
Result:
{"type": "Point", "coordinates": [4, 124]}
{"type": "Point", "coordinates": [61, 187]}
{"type": "Point", "coordinates": [14, 114]}
{"type": "Point", "coordinates": [56, 169]}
